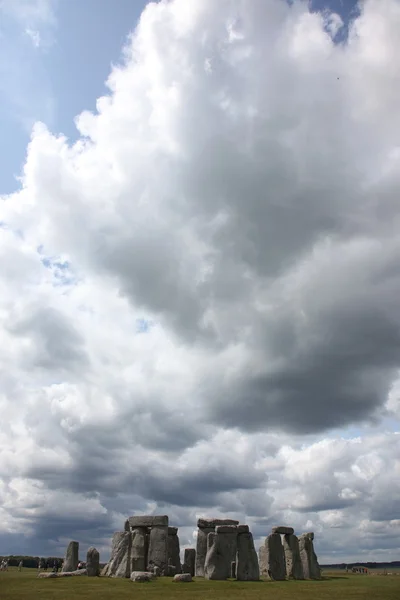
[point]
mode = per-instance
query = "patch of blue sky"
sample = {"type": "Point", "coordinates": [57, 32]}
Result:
{"type": "Point", "coordinates": [61, 270]}
{"type": "Point", "coordinates": [143, 325]}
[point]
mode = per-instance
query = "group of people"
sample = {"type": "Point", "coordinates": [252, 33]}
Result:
{"type": "Point", "coordinates": [55, 566]}
{"type": "Point", "coordinates": [4, 565]}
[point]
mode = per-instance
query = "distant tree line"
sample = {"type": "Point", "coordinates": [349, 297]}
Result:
{"type": "Point", "coordinates": [369, 565]}
{"type": "Point", "coordinates": [31, 562]}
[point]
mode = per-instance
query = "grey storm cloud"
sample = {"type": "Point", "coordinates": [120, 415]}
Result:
{"type": "Point", "coordinates": [236, 189]}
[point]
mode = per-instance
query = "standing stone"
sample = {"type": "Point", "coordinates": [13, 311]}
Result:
{"type": "Point", "coordinates": [118, 535]}
{"type": "Point", "coordinates": [294, 567]}
{"type": "Point", "coordinates": [221, 548]}
{"type": "Point", "coordinates": [207, 526]}
{"type": "Point", "coordinates": [272, 558]}
{"type": "Point", "coordinates": [174, 552]}
{"type": "Point", "coordinates": [139, 547]}
{"type": "Point", "coordinates": [158, 548]}
{"type": "Point", "coordinates": [71, 557]}
{"type": "Point", "coordinates": [92, 562]}
{"type": "Point", "coordinates": [308, 557]}
{"type": "Point", "coordinates": [127, 526]}
{"type": "Point", "coordinates": [189, 561]}
{"type": "Point", "coordinates": [247, 568]}
{"type": "Point", "coordinates": [201, 549]}
{"type": "Point", "coordinates": [119, 564]}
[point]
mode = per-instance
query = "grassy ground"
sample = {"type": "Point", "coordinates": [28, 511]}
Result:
{"type": "Point", "coordinates": [338, 586]}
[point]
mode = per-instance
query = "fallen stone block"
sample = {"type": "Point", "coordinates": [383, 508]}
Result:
{"type": "Point", "coordinates": [142, 576]}
{"type": "Point", "coordinates": [183, 577]}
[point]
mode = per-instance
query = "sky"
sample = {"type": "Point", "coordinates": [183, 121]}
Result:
{"type": "Point", "coordinates": [199, 270]}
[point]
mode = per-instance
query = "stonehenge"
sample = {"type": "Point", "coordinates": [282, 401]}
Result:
{"type": "Point", "coordinates": [148, 547]}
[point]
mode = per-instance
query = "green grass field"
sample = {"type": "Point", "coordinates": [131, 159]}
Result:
{"type": "Point", "coordinates": [339, 586]}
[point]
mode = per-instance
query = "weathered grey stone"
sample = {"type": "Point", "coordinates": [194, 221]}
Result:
{"type": "Point", "coordinates": [226, 529]}
{"type": "Point", "coordinates": [158, 548]}
{"type": "Point", "coordinates": [243, 529]}
{"type": "Point", "coordinates": [183, 577]}
{"type": "Point", "coordinates": [282, 529]}
{"type": "Point", "coordinates": [233, 570]}
{"type": "Point", "coordinates": [142, 576]}
{"type": "Point", "coordinates": [213, 523]}
{"type": "Point", "coordinates": [119, 564]}
{"type": "Point", "coordinates": [149, 521]}
{"type": "Point", "coordinates": [189, 563]}
{"type": "Point", "coordinates": [294, 567]}
{"type": "Point", "coordinates": [272, 558]}
{"type": "Point", "coordinates": [71, 557]}
{"type": "Point", "coordinates": [77, 573]}
{"type": "Point", "coordinates": [308, 557]}
{"type": "Point", "coordinates": [174, 551]}
{"type": "Point", "coordinates": [309, 534]}
{"type": "Point", "coordinates": [139, 548]}
{"type": "Point", "coordinates": [221, 551]}
{"type": "Point", "coordinates": [127, 526]}
{"type": "Point", "coordinates": [44, 575]}
{"type": "Point", "coordinates": [93, 562]}
{"type": "Point", "coordinates": [118, 535]}
{"type": "Point", "coordinates": [247, 568]}
{"type": "Point", "coordinates": [201, 549]}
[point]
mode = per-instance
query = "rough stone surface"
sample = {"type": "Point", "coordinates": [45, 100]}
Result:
{"type": "Point", "coordinates": [80, 572]}
{"type": "Point", "coordinates": [118, 535]}
{"type": "Point", "coordinates": [233, 569]}
{"type": "Point", "coordinates": [282, 529]}
{"type": "Point", "coordinates": [142, 576]}
{"type": "Point", "coordinates": [201, 549]}
{"type": "Point", "coordinates": [221, 551]}
{"type": "Point", "coordinates": [213, 523]}
{"type": "Point", "coordinates": [308, 558]}
{"type": "Point", "coordinates": [183, 577]}
{"type": "Point", "coordinates": [247, 568]}
{"type": "Point", "coordinates": [127, 526]}
{"type": "Point", "coordinates": [243, 529]}
{"type": "Point", "coordinates": [174, 552]}
{"type": "Point", "coordinates": [310, 534]}
{"type": "Point", "coordinates": [272, 558]}
{"type": "Point", "coordinates": [226, 529]}
{"type": "Point", "coordinates": [189, 563]}
{"type": "Point", "coordinates": [172, 531]}
{"type": "Point", "coordinates": [158, 548]}
{"type": "Point", "coordinates": [71, 557]}
{"type": "Point", "coordinates": [294, 567]}
{"type": "Point", "coordinates": [139, 548]}
{"type": "Point", "coordinates": [149, 521]}
{"type": "Point", "coordinates": [119, 564]}
{"type": "Point", "coordinates": [93, 562]}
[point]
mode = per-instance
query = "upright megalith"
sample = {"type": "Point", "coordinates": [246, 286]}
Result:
{"type": "Point", "coordinates": [174, 551]}
{"type": "Point", "coordinates": [92, 562]}
{"type": "Point", "coordinates": [206, 526]}
{"type": "Point", "coordinates": [139, 549]}
{"type": "Point", "coordinates": [247, 568]}
{"type": "Point", "coordinates": [221, 551]}
{"type": "Point", "coordinates": [119, 563]}
{"type": "Point", "coordinates": [189, 561]}
{"type": "Point", "coordinates": [311, 568]}
{"type": "Point", "coordinates": [272, 558]}
{"type": "Point", "coordinates": [158, 548]}
{"type": "Point", "coordinates": [294, 567]}
{"type": "Point", "coordinates": [71, 559]}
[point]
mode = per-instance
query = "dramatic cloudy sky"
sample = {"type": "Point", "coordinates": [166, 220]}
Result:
{"type": "Point", "coordinates": [199, 270]}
